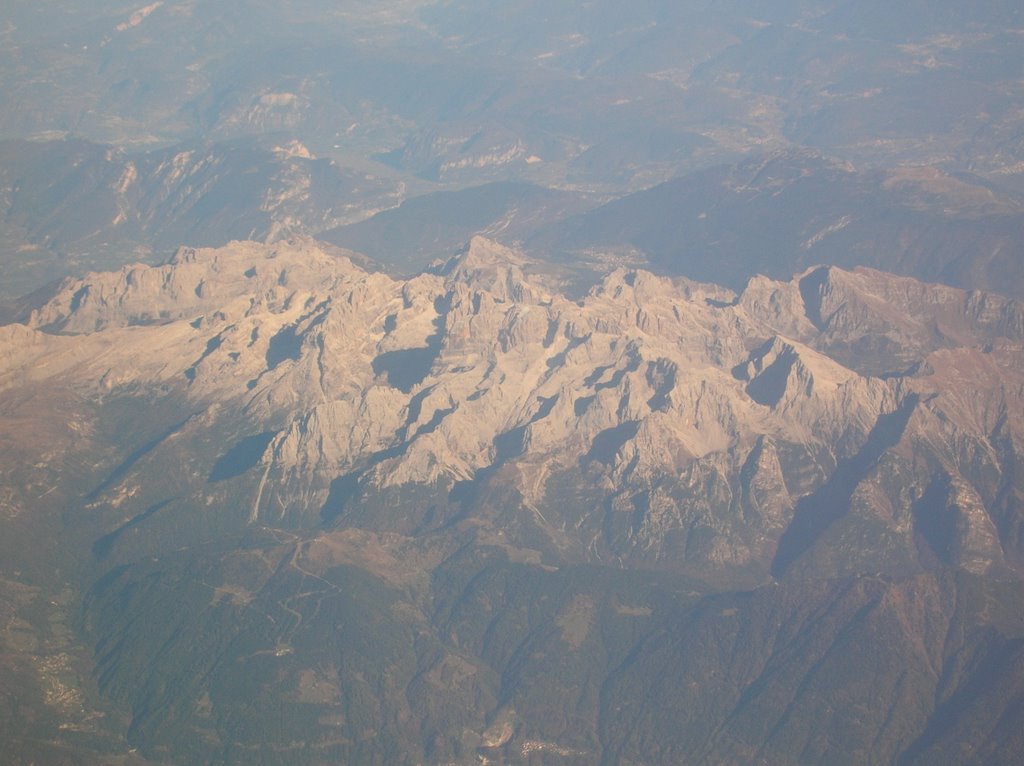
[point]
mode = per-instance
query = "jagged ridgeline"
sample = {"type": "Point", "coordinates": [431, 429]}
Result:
{"type": "Point", "coordinates": [318, 514]}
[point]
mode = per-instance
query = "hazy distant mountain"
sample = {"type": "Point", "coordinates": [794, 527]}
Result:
{"type": "Point", "coordinates": [323, 513]}
{"type": "Point", "coordinates": [70, 205]}
{"type": "Point", "coordinates": [432, 226]}
{"type": "Point", "coordinates": [470, 92]}
{"type": "Point", "coordinates": [584, 97]}
{"type": "Point", "coordinates": [786, 212]}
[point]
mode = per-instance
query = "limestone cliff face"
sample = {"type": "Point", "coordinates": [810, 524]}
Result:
{"type": "Point", "coordinates": [655, 421]}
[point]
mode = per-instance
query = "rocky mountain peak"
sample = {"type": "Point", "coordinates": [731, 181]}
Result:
{"type": "Point", "coordinates": [489, 266]}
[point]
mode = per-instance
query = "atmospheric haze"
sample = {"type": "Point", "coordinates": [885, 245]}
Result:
{"type": "Point", "coordinates": [443, 382]}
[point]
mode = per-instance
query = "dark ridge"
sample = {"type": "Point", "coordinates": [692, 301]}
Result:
{"type": "Point", "coordinates": [613, 381]}
{"type": "Point", "coordinates": [989, 673]}
{"type": "Point", "coordinates": [318, 320]}
{"type": "Point", "coordinates": [126, 465]}
{"type": "Point", "coordinates": [556, 361]}
{"type": "Point", "coordinates": [623, 408]}
{"type": "Point", "coordinates": [105, 582]}
{"type": "Point", "coordinates": [661, 376]}
{"type": "Point", "coordinates": [559, 359]}
{"type": "Point", "coordinates": [749, 468]}
{"type": "Point", "coordinates": [243, 456]}
{"type": "Point", "coordinates": [641, 503]}
{"type": "Point", "coordinates": [740, 371]}
{"type": "Point", "coordinates": [408, 367]}
{"type": "Point", "coordinates": [20, 309]}
{"type": "Point", "coordinates": [632, 365]}
{"type": "Point", "coordinates": [817, 512]}
{"type": "Point", "coordinates": [716, 304]}
{"type": "Point", "coordinates": [344, 488]}
{"type": "Point", "coordinates": [286, 344]}
{"type": "Point", "coordinates": [596, 375]}
{"type": "Point", "coordinates": [580, 405]}
{"type": "Point", "coordinates": [811, 289]}
{"type": "Point", "coordinates": [341, 491]}
{"type": "Point", "coordinates": [435, 420]}
{"type": "Point", "coordinates": [444, 267]}
{"type": "Point", "coordinates": [79, 296]}
{"type": "Point", "coordinates": [546, 405]}
{"type": "Point", "coordinates": [917, 368]}
{"type": "Point", "coordinates": [552, 333]}
{"type": "Point", "coordinates": [935, 521]}
{"type": "Point", "coordinates": [442, 305]}
{"type": "Point", "coordinates": [512, 443]}
{"type": "Point", "coordinates": [145, 320]}
{"type": "Point", "coordinates": [608, 442]}
{"type": "Point", "coordinates": [428, 227]}
{"type": "Point", "coordinates": [211, 345]}
{"type": "Point", "coordinates": [509, 445]}
{"type": "Point", "coordinates": [415, 408]}
{"type": "Point", "coordinates": [102, 547]}
{"type": "Point", "coordinates": [405, 369]}
{"type": "Point", "coordinates": [769, 386]}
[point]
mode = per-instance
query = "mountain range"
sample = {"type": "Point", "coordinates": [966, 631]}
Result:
{"type": "Point", "coordinates": [432, 382]}
{"type": "Point", "coordinates": [321, 513]}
